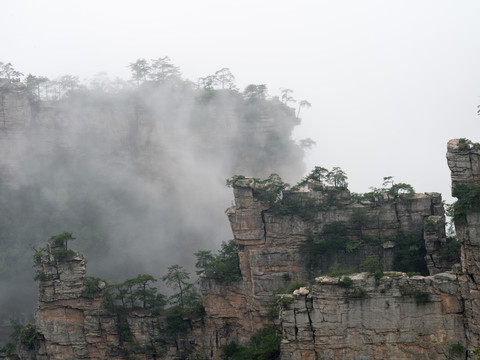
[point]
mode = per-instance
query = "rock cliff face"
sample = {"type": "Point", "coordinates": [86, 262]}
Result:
{"type": "Point", "coordinates": [15, 117]}
{"type": "Point", "coordinates": [392, 315]}
{"type": "Point", "coordinates": [272, 254]}
{"type": "Point", "coordinates": [464, 163]}
{"type": "Point", "coordinates": [396, 317]}
{"type": "Point", "coordinates": [74, 323]}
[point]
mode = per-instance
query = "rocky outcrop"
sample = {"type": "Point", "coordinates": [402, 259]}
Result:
{"type": "Point", "coordinates": [395, 317]}
{"type": "Point", "coordinates": [363, 316]}
{"type": "Point", "coordinates": [73, 322]}
{"type": "Point", "coordinates": [464, 163]}
{"type": "Point", "coordinates": [272, 251]}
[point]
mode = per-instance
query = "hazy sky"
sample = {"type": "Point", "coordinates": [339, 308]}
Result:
{"type": "Point", "coordinates": [389, 81]}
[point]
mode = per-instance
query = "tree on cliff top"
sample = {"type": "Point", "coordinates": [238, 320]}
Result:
{"type": "Point", "coordinates": [187, 298]}
{"type": "Point", "coordinates": [63, 238]}
{"type": "Point", "coordinates": [224, 266]}
{"type": "Point", "coordinates": [7, 71]}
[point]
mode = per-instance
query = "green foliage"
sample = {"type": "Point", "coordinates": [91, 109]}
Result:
{"type": "Point", "coordinates": [468, 200]}
{"type": "Point", "coordinates": [63, 238]}
{"type": "Point", "coordinates": [409, 252]}
{"type": "Point", "coordinates": [451, 252]}
{"type": "Point", "coordinates": [23, 334]}
{"type": "Point", "coordinates": [421, 297]}
{"type": "Point", "coordinates": [466, 145]}
{"type": "Point", "coordinates": [281, 298]}
{"type": "Point", "coordinates": [285, 201]}
{"type": "Point", "coordinates": [255, 92]}
{"type": "Point", "coordinates": [90, 199]}
{"type": "Point", "coordinates": [397, 191]}
{"type": "Point", "coordinates": [8, 349]}
{"type": "Point", "coordinates": [224, 266]}
{"type": "Point", "coordinates": [284, 301]}
{"type": "Point", "coordinates": [175, 322]}
{"type": "Point", "coordinates": [37, 255]}
{"type": "Point", "coordinates": [345, 282]}
{"type": "Point", "coordinates": [41, 276]}
{"type": "Point", "coordinates": [318, 174]}
{"type": "Point", "coordinates": [92, 286]}
{"type": "Point", "coordinates": [336, 271]}
{"type": "Point", "coordinates": [231, 182]}
{"type": "Point", "coordinates": [7, 71]}
{"type": "Point", "coordinates": [295, 286]}
{"type": "Point", "coordinates": [264, 345]}
{"type": "Point", "coordinates": [359, 218]}
{"type": "Point", "coordinates": [401, 190]}
{"type": "Point", "coordinates": [64, 254]}
{"type": "Point", "coordinates": [124, 332]}
{"type": "Point", "coordinates": [335, 177]}
{"type": "Point", "coordinates": [431, 225]}
{"type": "Point", "coordinates": [334, 237]}
{"type": "Point", "coordinates": [131, 294]}
{"type": "Point", "coordinates": [296, 204]}
{"type": "Point", "coordinates": [270, 190]}
{"type": "Point", "coordinates": [186, 299]}
{"type": "Point", "coordinates": [359, 294]}
{"type": "Point", "coordinates": [372, 264]}
{"type": "Point", "coordinates": [457, 349]}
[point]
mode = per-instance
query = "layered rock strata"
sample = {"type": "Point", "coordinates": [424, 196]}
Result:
{"type": "Point", "coordinates": [395, 317]}
{"type": "Point", "coordinates": [372, 317]}
{"type": "Point", "coordinates": [464, 163]}
{"type": "Point", "coordinates": [73, 323]}
{"type": "Point", "coordinates": [271, 249]}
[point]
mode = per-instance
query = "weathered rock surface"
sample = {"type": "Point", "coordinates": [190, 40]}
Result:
{"type": "Point", "coordinates": [271, 252]}
{"type": "Point", "coordinates": [396, 317]}
{"type": "Point", "coordinates": [464, 164]}
{"type": "Point", "coordinates": [74, 324]}
{"type": "Point", "coordinates": [391, 317]}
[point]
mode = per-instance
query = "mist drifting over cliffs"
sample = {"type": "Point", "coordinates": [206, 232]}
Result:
{"type": "Point", "coordinates": [135, 170]}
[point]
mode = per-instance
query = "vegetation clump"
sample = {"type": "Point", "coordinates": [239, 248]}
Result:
{"type": "Point", "coordinates": [345, 282]}
{"type": "Point", "coordinates": [389, 189]}
{"type": "Point", "coordinates": [23, 334]}
{"type": "Point", "coordinates": [336, 271]}
{"type": "Point", "coordinates": [62, 239]}
{"type": "Point", "coordinates": [457, 349]}
{"type": "Point", "coordinates": [264, 345]}
{"type": "Point", "coordinates": [451, 252]}
{"type": "Point", "coordinates": [131, 294]}
{"type": "Point", "coordinates": [468, 196]}
{"type": "Point", "coordinates": [92, 286]}
{"type": "Point", "coordinates": [41, 276]}
{"type": "Point", "coordinates": [465, 144]}
{"type": "Point", "coordinates": [334, 237]}
{"type": "Point", "coordinates": [286, 200]}
{"type": "Point", "coordinates": [409, 252]}
{"type": "Point", "coordinates": [421, 297]}
{"type": "Point", "coordinates": [281, 298]}
{"type": "Point", "coordinates": [359, 294]}
{"type": "Point", "coordinates": [223, 266]}
{"type": "Point", "coordinates": [64, 254]}
{"type": "Point", "coordinates": [37, 255]}
{"type": "Point", "coordinates": [372, 265]}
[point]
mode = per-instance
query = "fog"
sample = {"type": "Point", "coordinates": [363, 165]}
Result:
{"type": "Point", "coordinates": [137, 172]}
{"type": "Point", "coordinates": [389, 82]}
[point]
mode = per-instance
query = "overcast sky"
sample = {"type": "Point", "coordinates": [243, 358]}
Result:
{"type": "Point", "coordinates": [390, 82]}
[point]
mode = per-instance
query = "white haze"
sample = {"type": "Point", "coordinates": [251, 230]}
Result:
{"type": "Point", "coordinates": [389, 81]}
